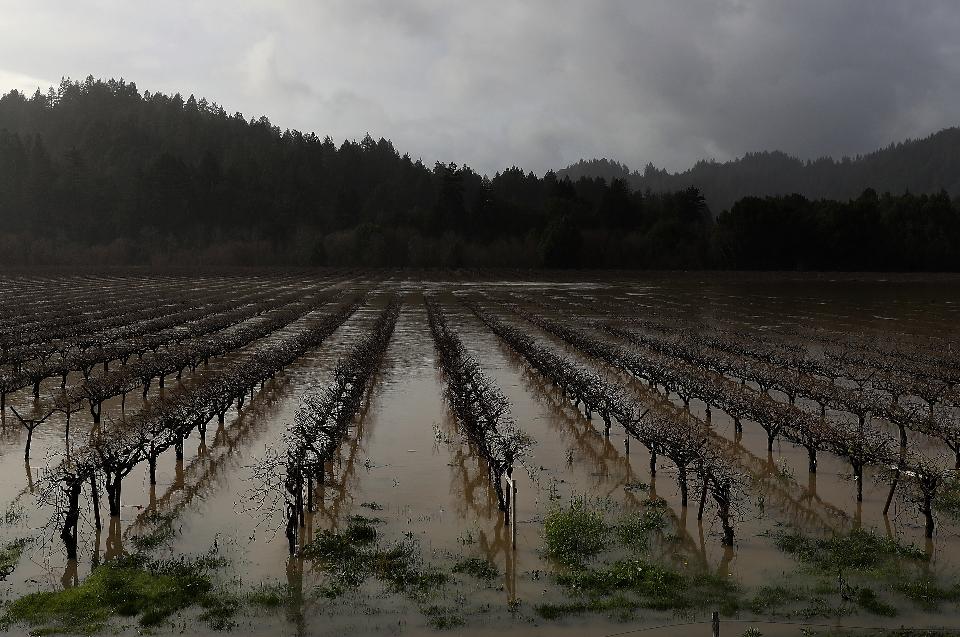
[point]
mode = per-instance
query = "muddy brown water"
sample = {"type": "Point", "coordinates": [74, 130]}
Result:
{"type": "Point", "coordinates": [405, 454]}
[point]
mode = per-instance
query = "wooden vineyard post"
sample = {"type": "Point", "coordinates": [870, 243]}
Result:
{"type": "Point", "coordinates": [506, 501]}
{"type": "Point", "coordinates": [893, 487]}
{"type": "Point", "coordinates": [513, 513]}
{"type": "Point", "coordinates": [96, 502]}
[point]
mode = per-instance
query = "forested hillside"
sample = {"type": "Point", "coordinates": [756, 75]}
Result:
{"type": "Point", "coordinates": [153, 178]}
{"type": "Point", "coordinates": [920, 166]}
{"type": "Point", "coordinates": [97, 172]}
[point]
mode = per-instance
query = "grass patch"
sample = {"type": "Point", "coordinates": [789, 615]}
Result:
{"type": "Point", "coordinates": [926, 592]}
{"type": "Point", "coordinates": [806, 603]}
{"type": "Point", "coordinates": [634, 531]}
{"type": "Point", "coordinates": [616, 584]}
{"type": "Point", "coordinates": [442, 618]}
{"type": "Point", "coordinates": [360, 531]}
{"type": "Point", "coordinates": [328, 546]}
{"type": "Point", "coordinates": [773, 599]}
{"type": "Point", "coordinates": [858, 550]}
{"type": "Point", "coordinates": [354, 555]}
{"type": "Point", "coordinates": [654, 586]}
{"type": "Point", "coordinates": [477, 567]}
{"type": "Point", "coordinates": [867, 554]}
{"type": "Point", "coordinates": [820, 607]}
{"type": "Point", "coordinates": [618, 606]}
{"type": "Point", "coordinates": [402, 567]}
{"type": "Point", "coordinates": [127, 587]}
{"type": "Point", "coordinates": [339, 547]}
{"type": "Point", "coordinates": [574, 533]}
{"type": "Point", "coordinates": [269, 596]}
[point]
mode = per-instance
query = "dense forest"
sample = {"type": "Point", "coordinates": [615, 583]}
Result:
{"type": "Point", "coordinates": [921, 166]}
{"type": "Point", "coordinates": [97, 172]}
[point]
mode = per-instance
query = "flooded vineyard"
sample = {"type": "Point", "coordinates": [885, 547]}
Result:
{"type": "Point", "coordinates": [367, 452]}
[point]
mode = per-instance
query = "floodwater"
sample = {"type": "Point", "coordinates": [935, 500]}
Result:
{"type": "Point", "coordinates": [406, 462]}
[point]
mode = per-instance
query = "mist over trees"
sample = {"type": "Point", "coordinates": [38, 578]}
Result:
{"type": "Point", "coordinates": [97, 172]}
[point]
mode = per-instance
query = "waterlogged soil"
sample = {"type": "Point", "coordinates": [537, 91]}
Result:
{"type": "Point", "coordinates": [409, 475]}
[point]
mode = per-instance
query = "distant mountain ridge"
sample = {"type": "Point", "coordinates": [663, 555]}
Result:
{"type": "Point", "coordinates": [926, 165]}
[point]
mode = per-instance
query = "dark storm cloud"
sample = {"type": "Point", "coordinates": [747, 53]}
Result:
{"type": "Point", "coordinates": [539, 83]}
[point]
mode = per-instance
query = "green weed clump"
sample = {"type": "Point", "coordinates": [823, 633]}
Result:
{"type": "Point", "coordinates": [858, 550]}
{"type": "Point", "coordinates": [926, 592]}
{"type": "Point", "coordinates": [616, 586]}
{"type": "Point", "coordinates": [478, 567]}
{"type": "Point", "coordinates": [863, 553]}
{"type": "Point", "coordinates": [574, 533]}
{"type": "Point", "coordinates": [646, 579]}
{"type": "Point", "coordinates": [352, 556]}
{"type": "Point", "coordinates": [654, 586]}
{"type": "Point", "coordinates": [128, 587]}
{"type": "Point", "coordinates": [332, 547]}
{"type": "Point", "coordinates": [271, 595]}
{"type": "Point", "coordinates": [771, 599]}
{"type": "Point", "coordinates": [443, 618]}
{"type": "Point", "coordinates": [802, 602]}
{"type": "Point", "coordinates": [617, 606]}
{"type": "Point", "coordinates": [634, 531]}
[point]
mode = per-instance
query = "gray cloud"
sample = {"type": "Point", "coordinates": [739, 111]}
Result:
{"type": "Point", "coordinates": [539, 83]}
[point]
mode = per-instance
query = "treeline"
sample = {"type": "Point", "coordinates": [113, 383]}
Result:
{"type": "Point", "coordinates": [97, 172]}
{"type": "Point", "coordinates": [926, 165]}
{"type": "Point", "coordinates": [894, 233]}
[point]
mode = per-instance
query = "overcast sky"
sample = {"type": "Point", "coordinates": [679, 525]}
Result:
{"type": "Point", "coordinates": [536, 83]}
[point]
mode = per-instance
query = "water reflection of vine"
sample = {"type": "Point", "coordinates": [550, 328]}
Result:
{"type": "Point", "coordinates": [195, 478]}
{"type": "Point", "coordinates": [71, 575]}
{"type": "Point", "coordinates": [296, 603]}
{"type": "Point", "coordinates": [770, 479]}
{"type": "Point", "coordinates": [805, 510]}
{"type": "Point", "coordinates": [332, 493]}
{"type": "Point", "coordinates": [204, 468]}
{"type": "Point", "coordinates": [114, 546]}
{"type": "Point", "coordinates": [477, 498]}
{"type": "Point", "coordinates": [652, 398]}
{"type": "Point", "coordinates": [607, 459]}
{"type": "Point", "coordinates": [329, 497]}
